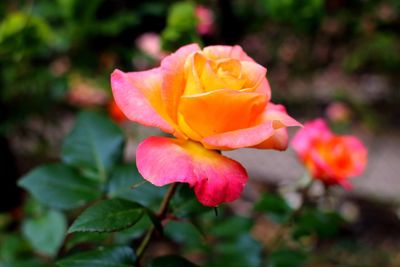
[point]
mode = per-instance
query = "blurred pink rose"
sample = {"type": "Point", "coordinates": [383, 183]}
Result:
{"type": "Point", "coordinates": [338, 112]}
{"type": "Point", "coordinates": [205, 18]}
{"type": "Point", "coordinates": [84, 93]}
{"type": "Point", "coordinates": [329, 157]}
{"type": "Point", "coordinates": [150, 44]}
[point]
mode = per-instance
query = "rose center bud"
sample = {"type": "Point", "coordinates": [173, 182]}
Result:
{"type": "Point", "coordinates": [219, 96]}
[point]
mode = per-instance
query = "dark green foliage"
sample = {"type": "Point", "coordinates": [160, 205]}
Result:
{"type": "Point", "coordinates": [93, 146]}
{"type": "Point", "coordinates": [108, 216]}
{"type": "Point", "coordinates": [100, 257]}
{"type": "Point", "coordinates": [302, 15]}
{"type": "Point", "coordinates": [274, 206]}
{"type": "Point", "coordinates": [46, 233]}
{"type": "Point", "coordinates": [181, 26]}
{"type": "Point", "coordinates": [320, 223]}
{"type": "Point", "coordinates": [287, 258]}
{"type": "Point", "coordinates": [59, 186]}
{"type": "Point", "coordinates": [126, 183]}
{"type": "Point", "coordinates": [171, 261]}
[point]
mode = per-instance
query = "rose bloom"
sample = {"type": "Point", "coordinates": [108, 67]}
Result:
{"type": "Point", "coordinates": [210, 100]}
{"type": "Point", "coordinates": [328, 157]}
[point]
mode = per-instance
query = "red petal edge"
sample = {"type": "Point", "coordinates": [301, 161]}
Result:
{"type": "Point", "coordinates": [215, 178]}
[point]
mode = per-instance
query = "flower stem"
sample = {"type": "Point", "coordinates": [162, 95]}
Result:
{"type": "Point", "coordinates": [161, 214]}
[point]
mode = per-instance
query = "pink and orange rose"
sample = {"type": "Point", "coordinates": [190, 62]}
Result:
{"type": "Point", "coordinates": [210, 99]}
{"type": "Point", "coordinates": [329, 157]}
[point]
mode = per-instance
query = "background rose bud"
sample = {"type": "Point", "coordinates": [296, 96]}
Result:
{"type": "Point", "coordinates": [216, 98]}
{"type": "Point", "coordinates": [205, 16]}
{"type": "Point", "coordinates": [85, 93]}
{"type": "Point", "coordinates": [328, 157]}
{"type": "Point", "coordinates": [150, 44]}
{"type": "Point", "coordinates": [338, 112]}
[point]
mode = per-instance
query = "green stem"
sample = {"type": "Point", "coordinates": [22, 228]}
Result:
{"type": "Point", "coordinates": [162, 212]}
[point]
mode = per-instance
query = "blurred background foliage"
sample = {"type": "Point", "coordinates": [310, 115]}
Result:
{"type": "Point", "coordinates": [56, 57]}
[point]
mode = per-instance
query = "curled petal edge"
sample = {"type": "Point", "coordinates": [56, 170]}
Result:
{"type": "Point", "coordinates": [215, 178]}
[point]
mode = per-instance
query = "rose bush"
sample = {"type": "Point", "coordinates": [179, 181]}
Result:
{"type": "Point", "coordinates": [328, 157]}
{"type": "Point", "coordinates": [213, 99]}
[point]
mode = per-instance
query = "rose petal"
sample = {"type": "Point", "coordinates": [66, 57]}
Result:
{"type": "Point", "coordinates": [255, 75]}
{"type": "Point", "coordinates": [263, 134]}
{"type": "Point", "coordinates": [277, 141]}
{"type": "Point", "coordinates": [247, 137]}
{"type": "Point", "coordinates": [216, 52]}
{"type": "Point", "coordinates": [193, 68]}
{"type": "Point", "coordinates": [138, 95]}
{"type": "Point", "coordinates": [173, 83]}
{"type": "Point", "coordinates": [221, 110]}
{"type": "Point", "coordinates": [215, 178]}
{"type": "Point", "coordinates": [359, 154]}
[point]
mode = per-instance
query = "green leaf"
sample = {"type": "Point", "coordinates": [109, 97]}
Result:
{"type": "Point", "coordinates": [46, 233]}
{"type": "Point", "coordinates": [26, 263]}
{"type": "Point", "coordinates": [232, 227]}
{"type": "Point", "coordinates": [275, 206]}
{"type": "Point", "coordinates": [171, 261]}
{"type": "Point", "coordinates": [313, 221]}
{"type": "Point", "coordinates": [12, 246]}
{"type": "Point", "coordinates": [85, 237]}
{"type": "Point", "coordinates": [239, 251]}
{"type": "Point", "coordinates": [58, 186]}
{"type": "Point", "coordinates": [132, 233]}
{"type": "Point", "coordinates": [184, 233]}
{"type": "Point", "coordinates": [108, 216]}
{"type": "Point", "coordinates": [94, 145]}
{"type": "Point", "coordinates": [101, 257]}
{"type": "Point", "coordinates": [287, 258]}
{"type": "Point", "coordinates": [127, 183]}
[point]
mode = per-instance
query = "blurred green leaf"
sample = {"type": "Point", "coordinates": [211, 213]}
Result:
{"type": "Point", "coordinates": [378, 52]}
{"type": "Point", "coordinates": [19, 27]}
{"type": "Point", "coordinates": [314, 221]}
{"type": "Point", "coordinates": [286, 258]}
{"type": "Point", "coordinates": [46, 233]}
{"type": "Point", "coordinates": [303, 15]}
{"type": "Point", "coordinates": [127, 183]}
{"type": "Point", "coordinates": [232, 227]}
{"type": "Point", "coordinates": [181, 16]}
{"type": "Point", "coordinates": [26, 263]}
{"type": "Point", "coordinates": [274, 206]}
{"type": "Point", "coordinates": [85, 237]}
{"type": "Point", "coordinates": [181, 26]}
{"type": "Point", "coordinates": [171, 261]}
{"type": "Point", "coordinates": [100, 257]}
{"type": "Point", "coordinates": [108, 216]}
{"type": "Point", "coordinates": [59, 186]}
{"type": "Point", "coordinates": [11, 247]}
{"type": "Point", "coordinates": [135, 232]}
{"type": "Point", "coordinates": [184, 232]}
{"type": "Point", "coordinates": [240, 250]}
{"type": "Point", "coordinates": [94, 145]}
